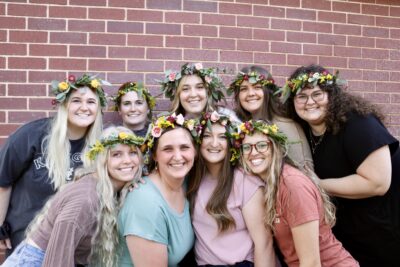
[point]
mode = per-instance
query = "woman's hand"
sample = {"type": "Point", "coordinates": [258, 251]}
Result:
{"type": "Point", "coordinates": [136, 184]}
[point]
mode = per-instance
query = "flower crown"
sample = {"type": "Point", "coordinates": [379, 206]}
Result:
{"type": "Point", "coordinates": [209, 118]}
{"type": "Point", "coordinates": [122, 138]}
{"type": "Point", "coordinates": [141, 91]}
{"type": "Point", "coordinates": [63, 89]}
{"type": "Point", "coordinates": [172, 78]}
{"type": "Point", "coordinates": [252, 77]}
{"type": "Point", "coordinates": [294, 86]}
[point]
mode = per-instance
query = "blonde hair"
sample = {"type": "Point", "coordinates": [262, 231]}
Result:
{"type": "Point", "coordinates": [56, 146]}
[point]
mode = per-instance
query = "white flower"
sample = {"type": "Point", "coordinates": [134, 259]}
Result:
{"type": "Point", "coordinates": [198, 66]}
{"type": "Point", "coordinates": [214, 116]}
{"type": "Point", "coordinates": [180, 119]}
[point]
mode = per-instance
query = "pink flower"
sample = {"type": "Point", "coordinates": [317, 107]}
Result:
{"type": "Point", "coordinates": [172, 76]}
{"type": "Point", "coordinates": [180, 119]}
{"type": "Point", "coordinates": [156, 131]}
{"type": "Point", "coordinates": [214, 116]}
{"type": "Point", "coordinates": [261, 77]}
{"type": "Point", "coordinates": [71, 78]}
{"type": "Point", "coordinates": [245, 77]}
{"type": "Point", "coordinates": [53, 102]}
{"type": "Point", "coordinates": [198, 66]}
{"type": "Point", "coordinates": [224, 122]}
{"type": "Point", "coordinates": [208, 79]}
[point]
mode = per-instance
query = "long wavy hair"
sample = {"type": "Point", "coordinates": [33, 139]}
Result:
{"type": "Point", "coordinates": [340, 103]}
{"type": "Point", "coordinates": [56, 145]}
{"type": "Point", "coordinates": [271, 106]}
{"type": "Point", "coordinates": [273, 178]}
{"type": "Point", "coordinates": [217, 204]}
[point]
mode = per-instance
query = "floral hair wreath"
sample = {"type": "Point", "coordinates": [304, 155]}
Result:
{"type": "Point", "coordinates": [62, 89]}
{"type": "Point", "coordinates": [139, 89]}
{"type": "Point", "coordinates": [252, 77]}
{"type": "Point", "coordinates": [209, 118]}
{"type": "Point", "coordinates": [294, 86]}
{"type": "Point", "coordinates": [121, 138]}
{"type": "Point", "coordinates": [172, 78]}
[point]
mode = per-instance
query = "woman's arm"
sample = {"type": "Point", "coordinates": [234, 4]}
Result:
{"type": "Point", "coordinates": [306, 243]}
{"type": "Point", "coordinates": [5, 195]}
{"type": "Point", "coordinates": [146, 253]}
{"type": "Point", "coordinates": [373, 178]}
{"type": "Point", "coordinates": [253, 213]}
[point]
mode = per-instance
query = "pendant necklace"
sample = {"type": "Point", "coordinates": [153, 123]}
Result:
{"type": "Point", "coordinates": [315, 143]}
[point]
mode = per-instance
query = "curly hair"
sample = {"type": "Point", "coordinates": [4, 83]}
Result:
{"type": "Point", "coordinates": [340, 104]}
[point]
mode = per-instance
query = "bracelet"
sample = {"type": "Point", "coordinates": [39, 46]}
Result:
{"type": "Point", "coordinates": [5, 231]}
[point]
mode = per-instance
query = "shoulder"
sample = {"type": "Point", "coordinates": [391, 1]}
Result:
{"type": "Point", "coordinates": [82, 192]}
{"type": "Point", "coordinates": [147, 195]}
{"type": "Point", "coordinates": [242, 177]}
{"type": "Point", "coordinates": [293, 179]}
{"type": "Point", "coordinates": [33, 129]}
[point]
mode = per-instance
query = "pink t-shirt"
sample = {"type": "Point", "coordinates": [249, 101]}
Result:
{"type": "Point", "coordinates": [299, 202]}
{"type": "Point", "coordinates": [233, 245]}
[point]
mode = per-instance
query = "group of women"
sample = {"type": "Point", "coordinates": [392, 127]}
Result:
{"type": "Point", "coordinates": [270, 178]}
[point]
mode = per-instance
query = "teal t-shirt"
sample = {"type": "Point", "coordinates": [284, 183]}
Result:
{"type": "Point", "coordinates": [146, 214]}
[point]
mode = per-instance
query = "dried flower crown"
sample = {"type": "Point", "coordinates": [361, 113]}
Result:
{"type": "Point", "coordinates": [213, 82]}
{"type": "Point", "coordinates": [121, 138]}
{"type": "Point", "coordinates": [141, 91]}
{"type": "Point", "coordinates": [252, 77]}
{"type": "Point", "coordinates": [63, 89]}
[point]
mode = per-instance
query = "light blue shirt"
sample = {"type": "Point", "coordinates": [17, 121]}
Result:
{"type": "Point", "coordinates": [146, 214]}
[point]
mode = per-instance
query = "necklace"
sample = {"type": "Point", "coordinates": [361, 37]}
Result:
{"type": "Point", "coordinates": [315, 143]}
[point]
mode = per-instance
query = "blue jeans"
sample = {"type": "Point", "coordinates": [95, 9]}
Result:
{"type": "Point", "coordinates": [25, 255]}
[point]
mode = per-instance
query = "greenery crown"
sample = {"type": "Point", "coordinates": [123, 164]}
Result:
{"type": "Point", "coordinates": [141, 91]}
{"type": "Point", "coordinates": [252, 77]}
{"type": "Point", "coordinates": [122, 138]}
{"type": "Point", "coordinates": [63, 89]}
{"type": "Point", "coordinates": [212, 81]}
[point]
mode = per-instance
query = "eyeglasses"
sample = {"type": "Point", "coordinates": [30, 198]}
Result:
{"type": "Point", "coordinates": [317, 96]}
{"type": "Point", "coordinates": [260, 147]}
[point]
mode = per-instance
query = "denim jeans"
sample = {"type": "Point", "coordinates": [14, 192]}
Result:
{"type": "Point", "coordinates": [25, 255]}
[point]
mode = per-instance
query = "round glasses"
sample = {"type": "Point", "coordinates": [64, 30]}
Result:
{"type": "Point", "coordinates": [260, 147]}
{"type": "Point", "coordinates": [317, 96]}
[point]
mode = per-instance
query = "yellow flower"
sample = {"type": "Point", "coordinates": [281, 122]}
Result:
{"type": "Point", "coordinates": [95, 83]}
{"type": "Point", "coordinates": [329, 77]}
{"type": "Point", "coordinates": [274, 128]}
{"type": "Point", "coordinates": [265, 131]}
{"type": "Point", "coordinates": [63, 86]}
{"type": "Point", "coordinates": [122, 135]}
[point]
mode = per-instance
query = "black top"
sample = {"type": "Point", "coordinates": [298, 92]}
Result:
{"type": "Point", "coordinates": [368, 228]}
{"type": "Point", "coordinates": [22, 166]}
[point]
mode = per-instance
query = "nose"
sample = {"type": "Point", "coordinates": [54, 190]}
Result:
{"type": "Point", "coordinates": [84, 105]}
{"type": "Point", "coordinates": [192, 92]}
{"type": "Point", "coordinates": [214, 142]}
{"type": "Point", "coordinates": [251, 91]}
{"type": "Point", "coordinates": [310, 98]}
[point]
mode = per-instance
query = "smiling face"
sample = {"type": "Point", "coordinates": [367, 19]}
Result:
{"type": "Point", "coordinates": [122, 164]}
{"type": "Point", "coordinates": [251, 97]}
{"type": "Point", "coordinates": [193, 95]}
{"type": "Point", "coordinates": [133, 111]}
{"type": "Point", "coordinates": [258, 162]}
{"type": "Point", "coordinates": [214, 144]}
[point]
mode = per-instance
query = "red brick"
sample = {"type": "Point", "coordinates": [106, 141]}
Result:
{"type": "Point", "coordinates": [67, 12]}
{"type": "Point", "coordinates": [375, 10]}
{"type": "Point", "coordinates": [88, 2]}
{"type": "Point", "coordinates": [321, 4]}
{"type": "Point", "coordinates": [25, 116]}
{"type": "Point", "coordinates": [269, 58]}
{"type": "Point", "coordinates": [182, 42]}
{"type": "Point", "coordinates": [13, 49]}
{"type": "Point", "coordinates": [144, 15]}
{"type": "Point", "coordinates": [331, 39]}
{"type": "Point", "coordinates": [26, 63]}
{"type": "Point", "coordinates": [283, 47]}
{"type": "Point", "coordinates": [2, 12]}
{"type": "Point", "coordinates": [343, 51]}
{"type": "Point", "coordinates": [395, 33]}
{"type": "Point", "coordinates": [375, 53]}
{"type": "Point", "coordinates": [285, 24]}
{"type": "Point", "coordinates": [347, 29]}
{"type": "Point", "coordinates": [388, 65]}
{"type": "Point", "coordinates": [67, 64]}
{"type": "Point", "coordinates": [164, 5]}
{"type": "Point", "coordinates": [45, 76]}
{"type": "Point", "coordinates": [377, 97]}
{"type": "Point", "coordinates": [182, 17]}
{"type": "Point", "coordinates": [360, 41]}
{"type": "Point", "coordinates": [387, 87]}
{"type": "Point", "coordinates": [394, 120]}
{"type": "Point", "coordinates": [280, 70]}
{"type": "Point", "coordinates": [218, 43]}
{"type": "Point", "coordinates": [253, 22]}
{"type": "Point", "coordinates": [311, 49]}
{"type": "Point", "coordinates": [235, 56]}
{"type": "Point", "coordinates": [145, 40]}
{"type": "Point", "coordinates": [219, 19]}
{"type": "Point", "coordinates": [262, 2]}
{"type": "Point", "coordinates": [12, 23]}
{"type": "Point", "coordinates": [301, 37]}
{"type": "Point", "coordinates": [317, 27]}
{"type": "Point", "coordinates": [46, 24]}
{"type": "Point", "coordinates": [121, 77]}
{"type": "Point", "coordinates": [200, 30]}
{"type": "Point", "coordinates": [8, 129]}
{"type": "Point", "coordinates": [3, 36]}
{"type": "Point", "coordinates": [235, 32]}
{"type": "Point", "coordinates": [375, 32]}
{"type": "Point", "coordinates": [2, 62]}
{"type": "Point", "coordinates": [163, 28]}
{"type": "Point", "coordinates": [107, 39]}
{"type": "Point", "coordinates": [395, 98]}
{"type": "Point", "coordinates": [301, 60]}
{"type": "Point", "coordinates": [360, 85]}
{"type": "Point", "coordinates": [107, 13]}
{"type": "Point", "coordinates": [332, 17]}
{"type": "Point", "coordinates": [200, 55]}
{"type": "Point", "coordinates": [370, 75]}
{"type": "Point", "coordinates": [394, 55]}
{"type": "Point", "coordinates": [295, 13]}
{"type": "Point", "coordinates": [126, 52]}
{"type": "Point", "coordinates": [87, 51]}
{"type": "Point", "coordinates": [333, 62]}
{"type": "Point", "coordinates": [86, 26]}
{"type": "Point", "coordinates": [151, 79]}
{"type": "Point", "coordinates": [388, 43]}
{"type": "Point", "coordinates": [28, 36]}
{"type": "Point", "coordinates": [268, 11]}
{"type": "Point", "coordinates": [2, 89]}
{"type": "Point", "coordinates": [290, 3]}
{"type": "Point", "coordinates": [107, 65]}
{"type": "Point", "coordinates": [68, 38]}
{"type": "Point", "coordinates": [162, 53]}
{"type": "Point", "coordinates": [27, 90]}
{"type": "Point", "coordinates": [145, 65]}
{"type": "Point", "coordinates": [124, 27]}
{"type": "Point", "coordinates": [28, 10]}
{"type": "Point", "coordinates": [394, 11]}
{"type": "Point", "coordinates": [362, 63]}
{"type": "Point", "coordinates": [39, 104]}
{"type": "Point", "coordinates": [237, 9]}
{"type": "Point", "coordinates": [200, 6]}
{"type": "Point", "coordinates": [348, 74]}
{"type": "Point", "coordinates": [13, 103]}
{"type": "Point", "coordinates": [12, 76]}
{"type": "Point", "coordinates": [346, 7]}
{"type": "Point", "coordinates": [270, 35]}
{"type": "Point", "coordinates": [127, 3]}
{"type": "Point", "coordinates": [360, 19]}
{"type": "Point", "coordinates": [250, 45]}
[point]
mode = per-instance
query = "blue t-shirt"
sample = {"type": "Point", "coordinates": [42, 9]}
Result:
{"type": "Point", "coordinates": [146, 214]}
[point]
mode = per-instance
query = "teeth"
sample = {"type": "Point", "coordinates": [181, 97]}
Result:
{"type": "Point", "coordinates": [256, 162]}
{"type": "Point", "coordinates": [214, 150]}
{"type": "Point", "coordinates": [126, 169]}
{"type": "Point", "coordinates": [177, 165]}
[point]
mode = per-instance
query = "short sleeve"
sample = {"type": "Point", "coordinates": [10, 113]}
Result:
{"type": "Point", "coordinates": [251, 184]}
{"type": "Point", "coordinates": [142, 215]}
{"type": "Point", "coordinates": [363, 135]}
